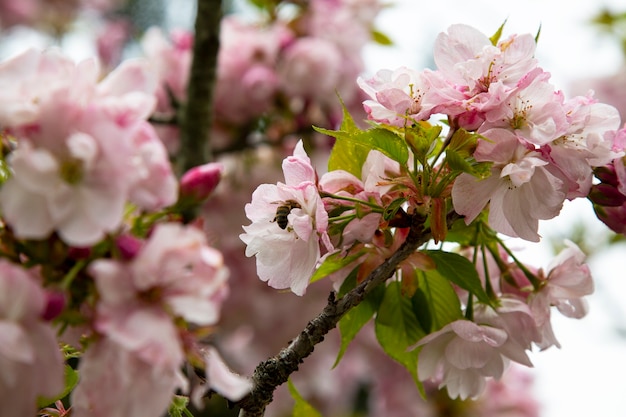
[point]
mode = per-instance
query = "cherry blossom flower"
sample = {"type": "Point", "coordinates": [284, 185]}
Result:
{"type": "Point", "coordinates": [533, 110]}
{"type": "Point", "coordinates": [139, 350]}
{"type": "Point", "coordinates": [286, 256]}
{"type": "Point", "coordinates": [466, 353]}
{"type": "Point", "coordinates": [591, 140]}
{"type": "Point", "coordinates": [310, 68]}
{"type": "Point", "coordinates": [30, 360]}
{"type": "Point", "coordinates": [116, 382]}
{"type": "Point", "coordinates": [176, 270]}
{"type": "Point", "coordinates": [83, 150]}
{"type": "Point", "coordinates": [520, 190]}
{"type": "Point", "coordinates": [467, 58]}
{"type": "Point", "coordinates": [221, 379]}
{"type": "Point", "coordinates": [396, 96]}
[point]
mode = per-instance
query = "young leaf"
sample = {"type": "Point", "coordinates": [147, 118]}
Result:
{"type": "Point", "coordinates": [386, 142]}
{"type": "Point", "coordinates": [397, 328]}
{"type": "Point", "coordinates": [457, 163]}
{"type": "Point", "coordinates": [333, 263]}
{"type": "Point", "coordinates": [301, 408]}
{"type": "Point", "coordinates": [346, 154]}
{"type": "Point", "coordinates": [354, 320]}
{"type": "Point", "coordinates": [380, 38]}
{"type": "Point", "coordinates": [460, 271]}
{"type": "Point", "coordinates": [496, 36]}
{"type": "Point", "coordinates": [435, 301]}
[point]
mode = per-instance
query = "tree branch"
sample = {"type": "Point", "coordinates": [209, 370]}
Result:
{"type": "Point", "coordinates": [196, 115]}
{"type": "Point", "coordinates": [275, 371]}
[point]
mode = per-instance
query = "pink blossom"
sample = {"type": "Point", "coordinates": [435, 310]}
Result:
{"type": "Point", "coordinates": [467, 58]}
{"type": "Point", "coordinates": [396, 96]}
{"type": "Point", "coordinates": [30, 359]}
{"type": "Point", "coordinates": [155, 185]}
{"type": "Point", "coordinates": [591, 140]}
{"type": "Point", "coordinates": [116, 382]}
{"type": "Point", "coordinates": [520, 190]}
{"type": "Point", "coordinates": [221, 379]}
{"type": "Point", "coordinates": [187, 277]}
{"type": "Point", "coordinates": [286, 256]}
{"type": "Point", "coordinates": [568, 281]}
{"type": "Point", "coordinates": [467, 353]}
{"type": "Point", "coordinates": [515, 317]}
{"type": "Point", "coordinates": [533, 109]}
{"type": "Point", "coordinates": [84, 149]}
{"type": "Point", "coordinates": [171, 60]}
{"type": "Point", "coordinates": [564, 284]}
{"type": "Point", "coordinates": [111, 39]}
{"type": "Point", "coordinates": [30, 78]}
{"type": "Point", "coordinates": [310, 68]}
{"type": "Point", "coordinates": [247, 80]}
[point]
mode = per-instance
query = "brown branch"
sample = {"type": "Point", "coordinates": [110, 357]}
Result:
{"type": "Point", "coordinates": [196, 115]}
{"type": "Point", "coordinates": [275, 371]}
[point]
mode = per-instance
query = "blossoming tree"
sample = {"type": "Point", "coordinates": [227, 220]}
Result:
{"type": "Point", "coordinates": [111, 290]}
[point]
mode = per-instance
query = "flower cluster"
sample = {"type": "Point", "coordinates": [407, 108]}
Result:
{"type": "Point", "coordinates": [542, 147]}
{"type": "Point", "coordinates": [83, 148]}
{"type": "Point", "coordinates": [515, 149]}
{"type": "Point", "coordinates": [94, 255]}
{"type": "Point", "coordinates": [462, 354]}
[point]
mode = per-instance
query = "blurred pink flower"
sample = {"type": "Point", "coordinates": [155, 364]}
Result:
{"type": "Point", "coordinates": [83, 148]}
{"type": "Point", "coordinates": [116, 382]}
{"type": "Point", "coordinates": [31, 363]}
{"type": "Point", "coordinates": [221, 379]}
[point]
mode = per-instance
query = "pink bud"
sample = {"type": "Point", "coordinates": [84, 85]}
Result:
{"type": "Point", "coordinates": [199, 182]}
{"type": "Point", "coordinates": [128, 246]}
{"type": "Point", "coordinates": [55, 302]}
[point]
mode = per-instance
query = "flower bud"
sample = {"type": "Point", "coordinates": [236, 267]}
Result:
{"type": "Point", "coordinates": [199, 182]}
{"type": "Point", "coordinates": [128, 246]}
{"type": "Point", "coordinates": [55, 303]}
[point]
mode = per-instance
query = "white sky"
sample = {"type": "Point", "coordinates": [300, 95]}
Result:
{"type": "Point", "coordinates": [587, 376]}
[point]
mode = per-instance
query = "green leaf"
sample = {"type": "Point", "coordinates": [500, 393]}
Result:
{"type": "Point", "coordinates": [422, 138]}
{"type": "Point", "coordinates": [386, 142]}
{"type": "Point", "coordinates": [435, 302]}
{"type": "Point", "coordinates": [538, 34]}
{"type": "Point", "coordinates": [380, 38]}
{"type": "Point", "coordinates": [457, 163]}
{"type": "Point", "coordinates": [397, 328]}
{"type": "Point", "coordinates": [496, 36]}
{"type": "Point", "coordinates": [334, 263]}
{"type": "Point", "coordinates": [348, 156]}
{"type": "Point", "coordinates": [301, 408]}
{"type": "Point", "coordinates": [354, 320]}
{"type": "Point", "coordinates": [71, 379]}
{"type": "Point", "coordinates": [460, 271]}
{"type": "Point", "coordinates": [345, 155]}
{"type": "Point", "coordinates": [464, 142]}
